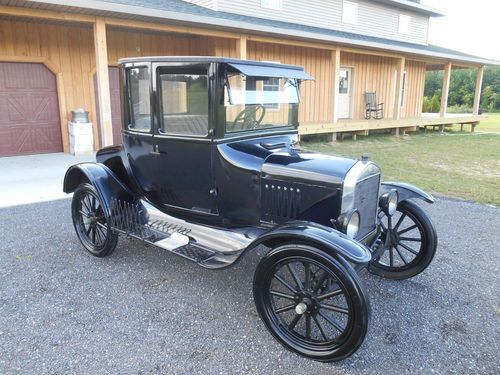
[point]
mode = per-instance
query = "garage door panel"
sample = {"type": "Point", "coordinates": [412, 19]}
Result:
{"type": "Point", "coordinates": [28, 100]}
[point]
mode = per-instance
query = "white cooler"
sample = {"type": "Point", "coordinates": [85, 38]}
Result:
{"type": "Point", "coordinates": [81, 138]}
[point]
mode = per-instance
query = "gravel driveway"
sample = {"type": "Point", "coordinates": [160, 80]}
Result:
{"type": "Point", "coordinates": [146, 311]}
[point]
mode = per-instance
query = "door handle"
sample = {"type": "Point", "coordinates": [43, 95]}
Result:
{"type": "Point", "coordinates": [156, 151]}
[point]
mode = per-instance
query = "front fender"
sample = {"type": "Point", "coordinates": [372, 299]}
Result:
{"type": "Point", "coordinates": [107, 184]}
{"type": "Point", "coordinates": [406, 191]}
{"type": "Point", "coordinates": [328, 239]}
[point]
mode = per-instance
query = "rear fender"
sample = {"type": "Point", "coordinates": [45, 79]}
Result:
{"type": "Point", "coordinates": [330, 240]}
{"type": "Point", "coordinates": [107, 184]}
{"type": "Point", "coordinates": [406, 191]}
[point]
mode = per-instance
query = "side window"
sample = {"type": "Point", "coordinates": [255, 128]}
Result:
{"type": "Point", "coordinates": [139, 99]}
{"type": "Point", "coordinates": [184, 103]}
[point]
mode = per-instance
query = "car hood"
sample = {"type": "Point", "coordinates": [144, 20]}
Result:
{"type": "Point", "coordinates": [308, 167]}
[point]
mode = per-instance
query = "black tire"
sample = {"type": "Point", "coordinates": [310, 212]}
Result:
{"type": "Point", "coordinates": [91, 222]}
{"type": "Point", "coordinates": [326, 334]}
{"type": "Point", "coordinates": [411, 250]}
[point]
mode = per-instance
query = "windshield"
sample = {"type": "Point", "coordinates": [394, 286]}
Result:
{"type": "Point", "coordinates": [256, 103]}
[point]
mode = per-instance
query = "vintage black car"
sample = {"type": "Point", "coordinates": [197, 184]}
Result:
{"type": "Point", "coordinates": [210, 169]}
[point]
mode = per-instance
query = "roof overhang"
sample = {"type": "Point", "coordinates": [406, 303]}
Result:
{"type": "Point", "coordinates": [117, 10]}
{"type": "Point", "coordinates": [413, 6]}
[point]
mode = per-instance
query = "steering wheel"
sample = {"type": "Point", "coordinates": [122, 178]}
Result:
{"type": "Point", "coordinates": [248, 116]}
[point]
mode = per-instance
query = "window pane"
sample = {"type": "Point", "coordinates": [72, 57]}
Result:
{"type": "Point", "coordinates": [349, 12]}
{"type": "Point", "coordinates": [139, 99]}
{"type": "Point", "coordinates": [184, 103]}
{"type": "Point", "coordinates": [404, 24]}
{"type": "Point", "coordinates": [271, 4]}
{"type": "Point", "coordinates": [254, 103]}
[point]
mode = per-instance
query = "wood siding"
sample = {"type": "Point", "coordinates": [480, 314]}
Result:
{"type": "Point", "coordinates": [67, 50]}
{"type": "Point", "coordinates": [415, 84]}
{"type": "Point", "coordinates": [372, 74]}
{"type": "Point", "coordinates": [316, 96]}
{"type": "Point", "coordinates": [374, 19]}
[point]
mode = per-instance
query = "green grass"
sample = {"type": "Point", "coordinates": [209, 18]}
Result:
{"type": "Point", "coordinates": [491, 124]}
{"type": "Point", "coordinates": [460, 165]}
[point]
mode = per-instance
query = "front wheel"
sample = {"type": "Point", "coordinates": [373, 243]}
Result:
{"type": "Point", "coordinates": [311, 302]}
{"type": "Point", "coordinates": [406, 245]}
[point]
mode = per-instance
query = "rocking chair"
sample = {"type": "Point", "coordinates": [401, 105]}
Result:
{"type": "Point", "coordinates": [373, 109]}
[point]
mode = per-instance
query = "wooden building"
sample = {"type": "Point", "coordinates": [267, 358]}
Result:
{"type": "Point", "coordinates": [56, 56]}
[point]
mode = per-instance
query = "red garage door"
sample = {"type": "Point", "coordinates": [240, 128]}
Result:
{"type": "Point", "coordinates": [29, 110]}
{"type": "Point", "coordinates": [116, 111]}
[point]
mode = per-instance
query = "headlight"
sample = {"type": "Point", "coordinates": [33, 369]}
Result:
{"type": "Point", "coordinates": [349, 223]}
{"type": "Point", "coordinates": [388, 202]}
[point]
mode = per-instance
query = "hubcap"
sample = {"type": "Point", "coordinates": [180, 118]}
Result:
{"type": "Point", "coordinates": [301, 308]}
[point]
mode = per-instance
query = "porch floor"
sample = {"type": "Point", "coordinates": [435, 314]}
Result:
{"type": "Point", "coordinates": [404, 124]}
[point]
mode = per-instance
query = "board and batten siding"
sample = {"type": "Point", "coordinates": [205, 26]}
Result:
{"type": "Point", "coordinates": [415, 76]}
{"type": "Point", "coordinates": [68, 51]}
{"type": "Point", "coordinates": [316, 96]}
{"type": "Point", "coordinates": [374, 19]}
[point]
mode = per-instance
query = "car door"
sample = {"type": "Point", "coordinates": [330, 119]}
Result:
{"type": "Point", "coordinates": [182, 142]}
{"type": "Point", "coordinates": [138, 126]}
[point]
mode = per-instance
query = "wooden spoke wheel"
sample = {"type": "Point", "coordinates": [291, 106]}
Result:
{"type": "Point", "coordinates": [91, 223]}
{"type": "Point", "coordinates": [311, 302]}
{"type": "Point", "coordinates": [406, 245]}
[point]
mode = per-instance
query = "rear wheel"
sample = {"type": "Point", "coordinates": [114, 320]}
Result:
{"type": "Point", "coordinates": [91, 222]}
{"type": "Point", "coordinates": [408, 240]}
{"type": "Point", "coordinates": [312, 303]}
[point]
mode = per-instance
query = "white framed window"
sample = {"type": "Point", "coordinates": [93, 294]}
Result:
{"type": "Point", "coordinates": [271, 4]}
{"type": "Point", "coordinates": [404, 24]}
{"type": "Point", "coordinates": [350, 12]}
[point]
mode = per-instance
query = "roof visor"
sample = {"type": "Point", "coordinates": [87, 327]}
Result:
{"type": "Point", "coordinates": [271, 71]}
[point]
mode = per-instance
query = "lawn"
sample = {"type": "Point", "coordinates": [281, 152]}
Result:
{"type": "Point", "coordinates": [491, 124]}
{"type": "Point", "coordinates": [462, 165]}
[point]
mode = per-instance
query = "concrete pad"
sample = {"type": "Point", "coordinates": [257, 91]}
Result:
{"type": "Point", "coordinates": [35, 178]}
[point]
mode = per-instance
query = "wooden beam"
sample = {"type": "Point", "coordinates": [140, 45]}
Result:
{"type": "Point", "coordinates": [132, 24]}
{"type": "Point", "coordinates": [336, 82]}
{"type": "Point", "coordinates": [103, 96]}
{"type": "Point", "coordinates": [446, 89]}
{"type": "Point", "coordinates": [241, 47]}
{"type": "Point", "coordinates": [290, 42]}
{"type": "Point", "coordinates": [45, 14]}
{"type": "Point", "coordinates": [398, 95]}
{"type": "Point", "coordinates": [477, 93]}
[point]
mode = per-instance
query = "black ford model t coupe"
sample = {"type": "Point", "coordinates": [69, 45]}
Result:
{"type": "Point", "coordinates": [210, 169]}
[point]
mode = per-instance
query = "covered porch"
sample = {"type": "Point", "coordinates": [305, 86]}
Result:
{"type": "Point", "coordinates": [398, 83]}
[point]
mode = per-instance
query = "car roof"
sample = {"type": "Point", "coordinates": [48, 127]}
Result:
{"type": "Point", "coordinates": [206, 59]}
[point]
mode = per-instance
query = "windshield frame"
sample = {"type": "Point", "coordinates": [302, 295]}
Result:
{"type": "Point", "coordinates": [292, 126]}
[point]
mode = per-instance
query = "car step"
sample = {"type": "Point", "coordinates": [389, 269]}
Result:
{"type": "Point", "coordinates": [208, 246]}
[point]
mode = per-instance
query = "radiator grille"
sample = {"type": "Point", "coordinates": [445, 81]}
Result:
{"type": "Point", "coordinates": [366, 202]}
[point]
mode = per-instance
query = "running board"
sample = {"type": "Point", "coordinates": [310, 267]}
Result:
{"type": "Point", "coordinates": [208, 246]}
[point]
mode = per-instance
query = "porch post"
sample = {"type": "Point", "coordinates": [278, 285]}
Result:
{"type": "Point", "coordinates": [400, 70]}
{"type": "Point", "coordinates": [446, 89]}
{"type": "Point", "coordinates": [477, 94]}
{"type": "Point", "coordinates": [336, 81]}
{"type": "Point", "coordinates": [241, 47]}
{"type": "Point", "coordinates": [103, 96]}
